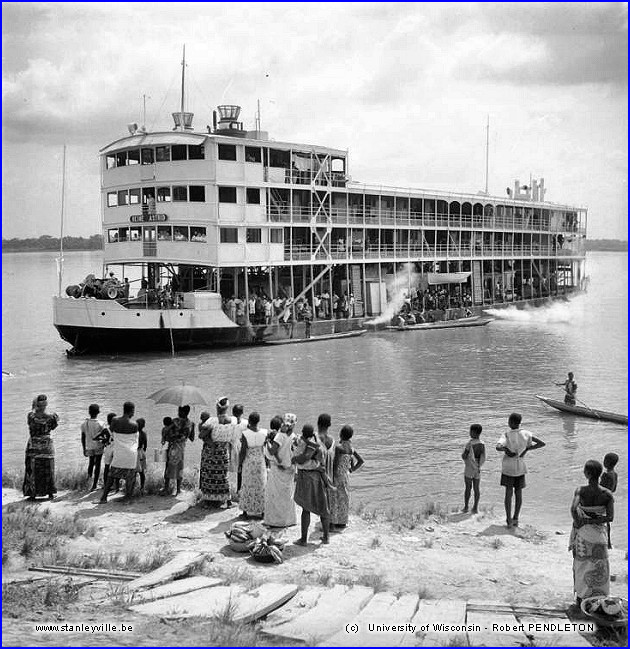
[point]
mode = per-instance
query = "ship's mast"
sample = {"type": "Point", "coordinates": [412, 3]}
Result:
{"type": "Point", "coordinates": [487, 149]}
{"type": "Point", "coordinates": [63, 200]}
{"type": "Point", "coordinates": [181, 108]}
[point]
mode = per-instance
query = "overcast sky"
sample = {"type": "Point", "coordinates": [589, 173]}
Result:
{"type": "Point", "coordinates": [406, 87]}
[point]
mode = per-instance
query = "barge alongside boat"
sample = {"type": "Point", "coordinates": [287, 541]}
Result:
{"type": "Point", "coordinates": [211, 226]}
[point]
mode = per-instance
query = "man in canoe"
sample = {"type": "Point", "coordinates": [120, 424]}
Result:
{"type": "Point", "coordinates": [570, 388]}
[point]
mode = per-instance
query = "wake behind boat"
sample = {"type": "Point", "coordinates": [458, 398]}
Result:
{"type": "Point", "coordinates": [313, 339]}
{"type": "Point", "coordinates": [583, 411]}
{"type": "Point", "coordinates": [472, 321]}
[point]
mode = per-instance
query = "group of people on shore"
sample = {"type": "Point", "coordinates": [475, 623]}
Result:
{"type": "Point", "coordinates": [271, 471]}
{"type": "Point", "coordinates": [274, 470]}
{"type": "Point", "coordinates": [592, 507]}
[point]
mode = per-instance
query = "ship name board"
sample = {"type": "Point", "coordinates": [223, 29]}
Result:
{"type": "Point", "coordinates": [147, 218]}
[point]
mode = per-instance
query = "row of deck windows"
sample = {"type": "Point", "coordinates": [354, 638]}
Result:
{"type": "Point", "coordinates": [151, 233]}
{"type": "Point", "coordinates": [137, 195]}
{"type": "Point", "coordinates": [150, 155]}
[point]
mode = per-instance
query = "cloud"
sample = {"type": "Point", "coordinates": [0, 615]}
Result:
{"type": "Point", "coordinates": [549, 43]}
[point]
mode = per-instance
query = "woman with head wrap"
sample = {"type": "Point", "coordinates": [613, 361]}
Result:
{"type": "Point", "coordinates": [39, 474]}
{"type": "Point", "coordinates": [279, 504]}
{"type": "Point", "coordinates": [216, 434]}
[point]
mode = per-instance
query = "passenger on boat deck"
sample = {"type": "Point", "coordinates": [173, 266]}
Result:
{"type": "Point", "coordinates": [231, 308]}
{"type": "Point", "coordinates": [570, 388]}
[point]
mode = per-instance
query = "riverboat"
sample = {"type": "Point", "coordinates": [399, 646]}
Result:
{"type": "Point", "coordinates": [225, 236]}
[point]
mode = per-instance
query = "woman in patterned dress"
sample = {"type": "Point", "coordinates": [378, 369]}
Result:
{"type": "Point", "coordinates": [216, 434]}
{"type": "Point", "coordinates": [253, 469]}
{"type": "Point", "coordinates": [279, 504]}
{"type": "Point", "coordinates": [592, 510]}
{"type": "Point", "coordinates": [347, 460]}
{"type": "Point", "coordinates": [39, 473]}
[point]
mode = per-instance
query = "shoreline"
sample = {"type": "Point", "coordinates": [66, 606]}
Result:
{"type": "Point", "coordinates": [438, 555]}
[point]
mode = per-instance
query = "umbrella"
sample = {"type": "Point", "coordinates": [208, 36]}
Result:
{"type": "Point", "coordinates": [180, 395]}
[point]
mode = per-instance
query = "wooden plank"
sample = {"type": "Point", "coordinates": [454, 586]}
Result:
{"type": "Point", "coordinates": [497, 630]}
{"type": "Point", "coordinates": [374, 623]}
{"type": "Point", "coordinates": [263, 600]}
{"type": "Point", "coordinates": [177, 587]}
{"type": "Point", "coordinates": [179, 565]}
{"type": "Point", "coordinates": [447, 612]}
{"type": "Point", "coordinates": [304, 600]}
{"type": "Point", "coordinates": [332, 612]}
{"type": "Point", "coordinates": [231, 601]}
{"type": "Point", "coordinates": [540, 637]}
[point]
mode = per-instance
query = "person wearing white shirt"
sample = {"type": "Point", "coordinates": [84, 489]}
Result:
{"type": "Point", "coordinates": [514, 444]}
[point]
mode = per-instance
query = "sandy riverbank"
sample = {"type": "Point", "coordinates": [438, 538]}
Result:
{"type": "Point", "coordinates": [453, 557]}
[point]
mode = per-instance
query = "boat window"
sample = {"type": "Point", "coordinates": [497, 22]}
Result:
{"type": "Point", "coordinates": [195, 152]}
{"type": "Point", "coordinates": [197, 194]}
{"type": "Point", "coordinates": [134, 196]}
{"type": "Point", "coordinates": [148, 233]}
{"type": "Point", "coordinates": [162, 154]}
{"type": "Point", "coordinates": [123, 234]}
{"type": "Point", "coordinates": [164, 233]}
{"type": "Point", "coordinates": [147, 192]}
{"type": "Point", "coordinates": [164, 194]}
{"type": "Point", "coordinates": [122, 197]}
{"type": "Point", "coordinates": [228, 235]}
{"type": "Point", "coordinates": [110, 161]}
{"type": "Point", "coordinates": [147, 157]}
{"type": "Point", "coordinates": [112, 199]}
{"type": "Point", "coordinates": [253, 195]}
{"type": "Point", "coordinates": [121, 158]}
{"type": "Point", "coordinates": [338, 165]}
{"type": "Point", "coordinates": [134, 234]}
{"type": "Point", "coordinates": [227, 194]}
{"type": "Point", "coordinates": [279, 158]}
{"type": "Point", "coordinates": [252, 154]}
{"type": "Point", "coordinates": [133, 157]}
{"type": "Point", "coordinates": [112, 235]}
{"type": "Point", "coordinates": [180, 233]}
{"type": "Point", "coordinates": [198, 234]}
{"type": "Point", "coordinates": [275, 235]}
{"type": "Point", "coordinates": [180, 193]}
{"type": "Point", "coordinates": [227, 152]}
{"type": "Point", "coordinates": [254, 235]}
{"type": "Point", "coordinates": [178, 152]}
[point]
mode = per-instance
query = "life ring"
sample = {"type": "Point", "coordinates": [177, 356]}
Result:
{"type": "Point", "coordinates": [112, 292]}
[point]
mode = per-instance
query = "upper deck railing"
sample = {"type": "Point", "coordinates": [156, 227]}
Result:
{"type": "Point", "coordinates": [373, 217]}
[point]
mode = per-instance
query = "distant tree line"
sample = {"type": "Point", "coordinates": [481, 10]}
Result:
{"type": "Point", "coordinates": [613, 245]}
{"type": "Point", "coordinates": [46, 242]}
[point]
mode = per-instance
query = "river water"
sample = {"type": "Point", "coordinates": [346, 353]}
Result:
{"type": "Point", "coordinates": [410, 396]}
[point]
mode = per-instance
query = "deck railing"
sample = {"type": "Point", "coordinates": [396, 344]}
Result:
{"type": "Point", "coordinates": [371, 217]}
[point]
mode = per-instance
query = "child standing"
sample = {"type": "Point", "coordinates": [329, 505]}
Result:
{"type": "Point", "coordinates": [108, 452]}
{"type": "Point", "coordinates": [91, 429]}
{"type": "Point", "coordinates": [474, 456]}
{"type": "Point", "coordinates": [609, 477]}
{"type": "Point", "coordinates": [141, 465]}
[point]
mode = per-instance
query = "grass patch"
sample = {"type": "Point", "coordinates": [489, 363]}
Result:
{"type": "Point", "coordinates": [403, 519]}
{"type": "Point", "coordinates": [143, 560]}
{"type": "Point", "coordinates": [29, 530]}
{"type": "Point", "coordinates": [229, 575]}
{"type": "Point", "coordinates": [496, 544]}
{"type": "Point", "coordinates": [376, 542]}
{"type": "Point", "coordinates": [53, 594]}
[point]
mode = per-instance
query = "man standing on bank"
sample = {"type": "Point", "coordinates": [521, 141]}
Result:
{"type": "Point", "coordinates": [570, 388]}
{"type": "Point", "coordinates": [514, 444]}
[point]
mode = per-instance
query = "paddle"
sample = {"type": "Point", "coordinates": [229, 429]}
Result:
{"type": "Point", "coordinates": [586, 406]}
